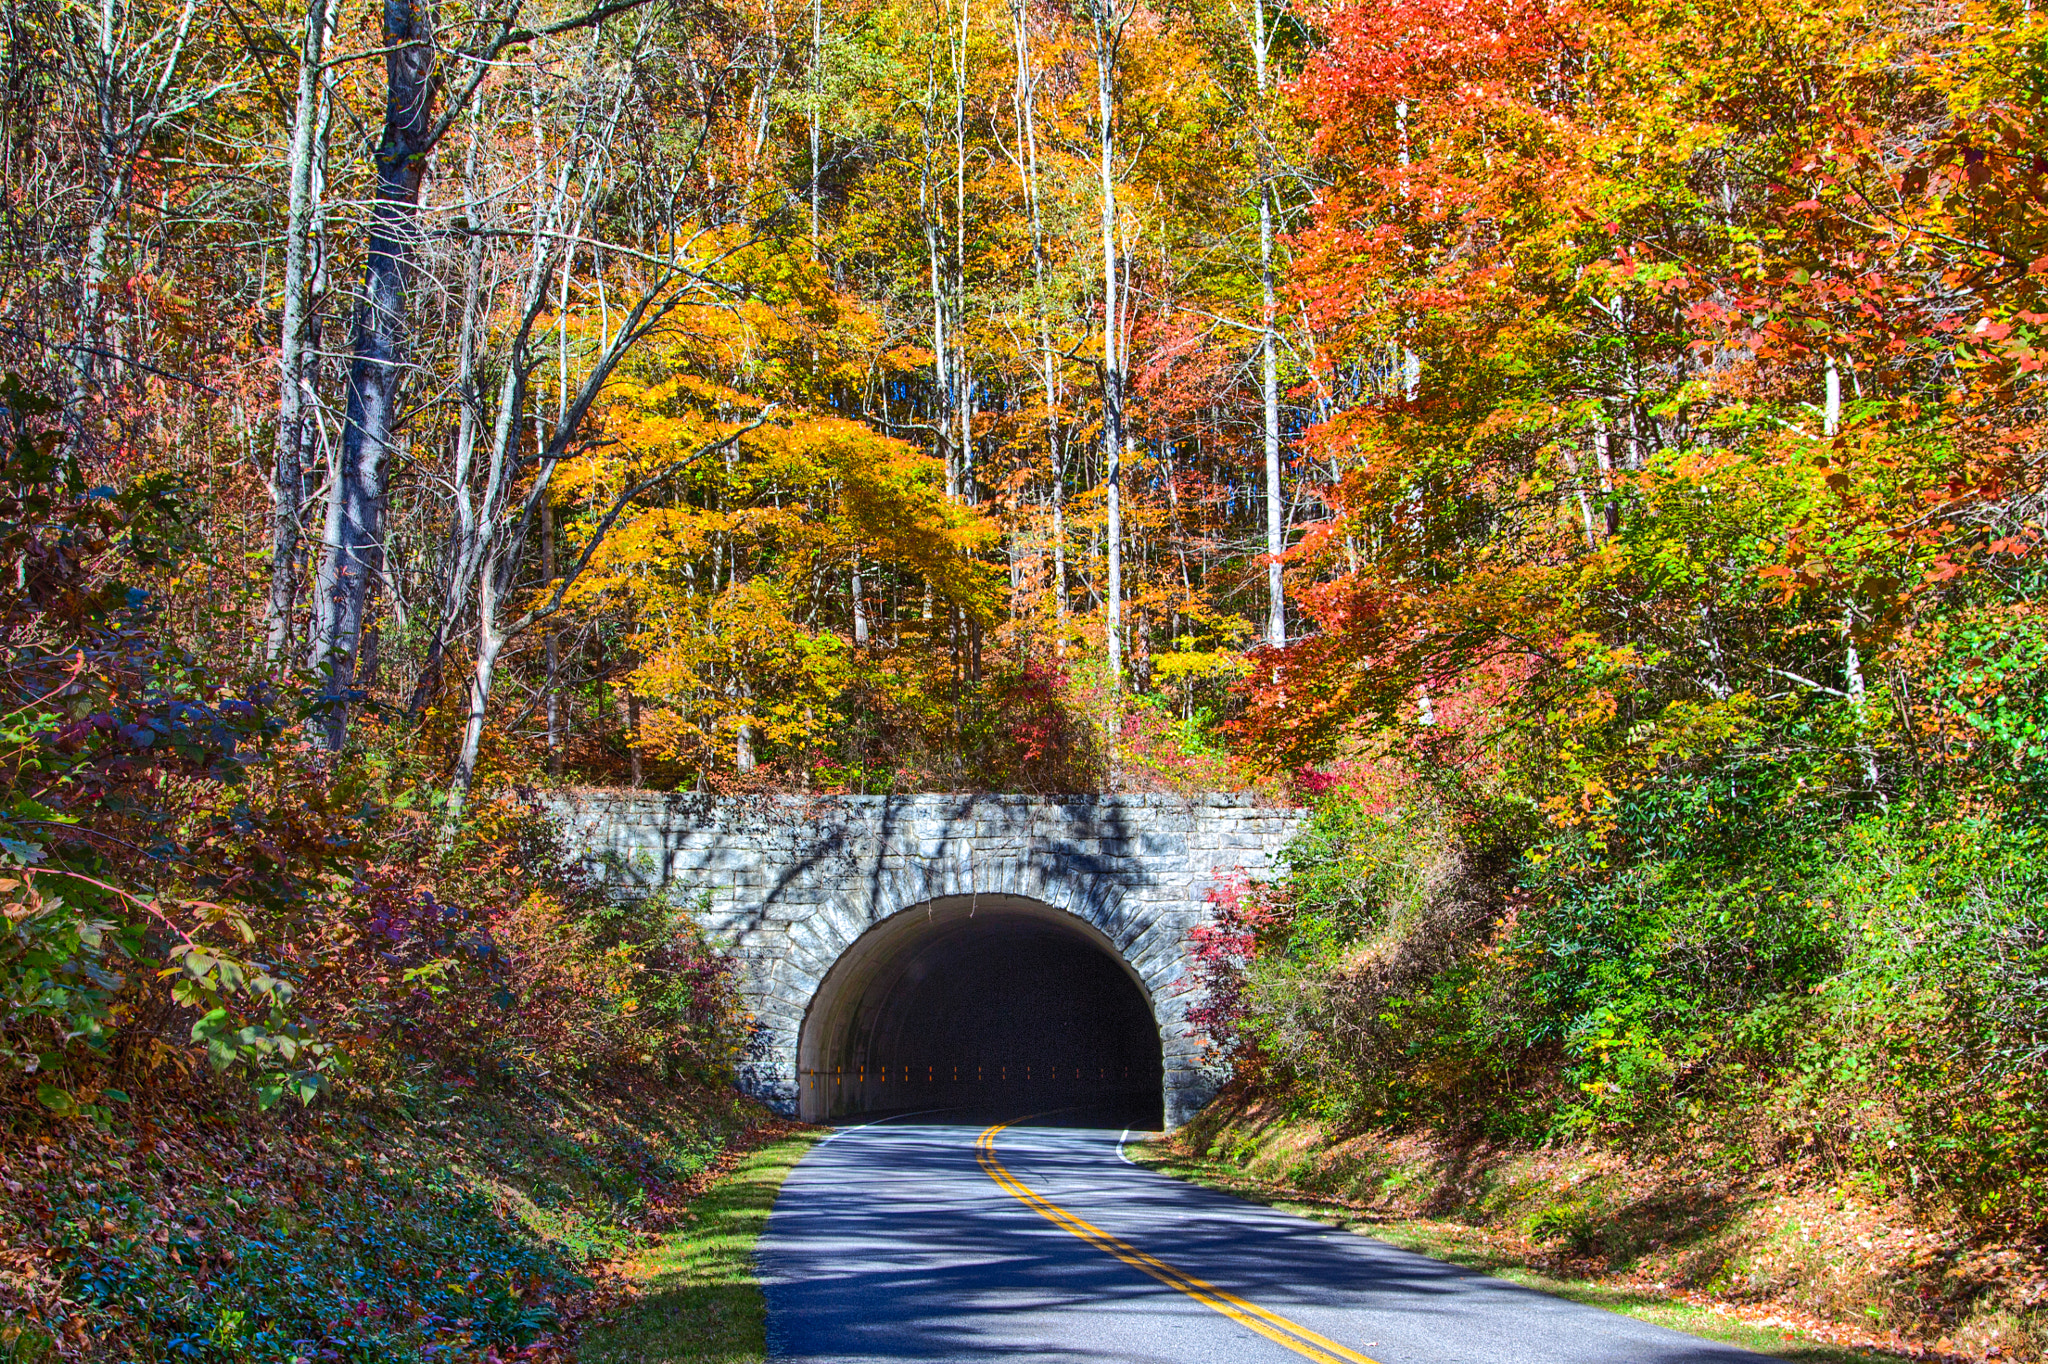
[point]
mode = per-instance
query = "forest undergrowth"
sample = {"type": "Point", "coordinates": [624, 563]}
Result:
{"type": "Point", "coordinates": [1790, 1075]}
{"type": "Point", "coordinates": [1783, 1265]}
{"type": "Point", "coordinates": [446, 1220]}
{"type": "Point", "coordinates": [301, 1066]}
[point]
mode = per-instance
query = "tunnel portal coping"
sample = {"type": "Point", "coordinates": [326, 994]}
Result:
{"type": "Point", "coordinates": [789, 883]}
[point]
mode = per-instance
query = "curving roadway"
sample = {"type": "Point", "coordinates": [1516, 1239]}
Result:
{"type": "Point", "coordinates": [959, 1236]}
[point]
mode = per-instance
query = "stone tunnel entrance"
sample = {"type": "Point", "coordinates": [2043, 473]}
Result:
{"type": "Point", "coordinates": [1025, 912]}
{"type": "Point", "coordinates": [993, 1002]}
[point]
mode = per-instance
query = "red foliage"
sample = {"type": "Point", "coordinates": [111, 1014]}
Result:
{"type": "Point", "coordinates": [1222, 950]}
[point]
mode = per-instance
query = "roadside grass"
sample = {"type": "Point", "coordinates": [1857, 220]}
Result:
{"type": "Point", "coordinates": [1472, 1248]}
{"type": "Point", "coordinates": [698, 1298]}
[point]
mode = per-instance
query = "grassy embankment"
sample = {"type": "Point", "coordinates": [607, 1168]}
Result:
{"type": "Point", "coordinates": [449, 1223]}
{"type": "Point", "coordinates": [695, 1297]}
{"type": "Point", "coordinates": [1794, 1273]}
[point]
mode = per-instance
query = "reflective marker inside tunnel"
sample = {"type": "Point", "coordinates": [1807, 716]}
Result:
{"type": "Point", "coordinates": [980, 1000]}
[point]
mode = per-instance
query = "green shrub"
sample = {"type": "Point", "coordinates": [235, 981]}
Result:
{"type": "Point", "coordinates": [1869, 991]}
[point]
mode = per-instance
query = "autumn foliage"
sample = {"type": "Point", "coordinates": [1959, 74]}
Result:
{"type": "Point", "coordinates": [1590, 453]}
{"type": "Point", "coordinates": [1670, 697]}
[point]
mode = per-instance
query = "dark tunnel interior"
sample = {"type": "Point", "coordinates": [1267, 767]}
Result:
{"type": "Point", "coordinates": [996, 1004]}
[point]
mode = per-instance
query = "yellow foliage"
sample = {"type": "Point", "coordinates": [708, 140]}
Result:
{"type": "Point", "coordinates": [720, 571]}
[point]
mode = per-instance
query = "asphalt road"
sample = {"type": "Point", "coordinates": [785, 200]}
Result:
{"type": "Point", "coordinates": [927, 1237]}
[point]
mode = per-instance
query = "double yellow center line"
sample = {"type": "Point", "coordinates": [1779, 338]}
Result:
{"type": "Point", "coordinates": [1271, 1325]}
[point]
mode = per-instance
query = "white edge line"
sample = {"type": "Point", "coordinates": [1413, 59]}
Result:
{"type": "Point", "coordinates": [893, 1117]}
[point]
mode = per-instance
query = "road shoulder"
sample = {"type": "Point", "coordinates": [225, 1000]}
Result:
{"type": "Point", "coordinates": [697, 1292]}
{"type": "Point", "coordinates": [1476, 1248]}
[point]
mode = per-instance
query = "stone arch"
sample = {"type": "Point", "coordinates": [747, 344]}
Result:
{"type": "Point", "coordinates": [870, 1013]}
{"type": "Point", "coordinates": [1143, 936]}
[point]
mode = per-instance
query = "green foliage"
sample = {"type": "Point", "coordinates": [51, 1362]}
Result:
{"type": "Point", "coordinates": [1573, 1223]}
{"type": "Point", "coordinates": [453, 1222]}
{"type": "Point", "coordinates": [1991, 677]}
{"type": "Point", "coordinates": [1866, 994]}
{"type": "Point", "coordinates": [408, 1265]}
{"type": "Point", "coordinates": [58, 968]}
{"type": "Point", "coordinates": [1352, 874]}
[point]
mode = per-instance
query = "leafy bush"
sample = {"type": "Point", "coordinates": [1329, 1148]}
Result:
{"type": "Point", "coordinates": [408, 1265]}
{"type": "Point", "coordinates": [184, 876]}
{"type": "Point", "coordinates": [1865, 995]}
{"type": "Point", "coordinates": [447, 1221]}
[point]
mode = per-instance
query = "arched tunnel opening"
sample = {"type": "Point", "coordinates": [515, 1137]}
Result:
{"type": "Point", "coordinates": [993, 1003]}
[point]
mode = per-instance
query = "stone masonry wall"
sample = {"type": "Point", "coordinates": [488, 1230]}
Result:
{"type": "Point", "coordinates": [793, 882]}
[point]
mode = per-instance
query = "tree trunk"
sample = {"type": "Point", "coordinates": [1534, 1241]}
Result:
{"type": "Point", "coordinates": [963, 376]}
{"type": "Point", "coordinates": [743, 738]}
{"type": "Point", "coordinates": [113, 189]}
{"type": "Point", "coordinates": [554, 646]}
{"type": "Point", "coordinates": [355, 556]}
{"type": "Point", "coordinates": [1831, 409]}
{"type": "Point", "coordinates": [489, 643]}
{"type": "Point", "coordinates": [1108, 32]}
{"type": "Point", "coordinates": [1027, 170]}
{"type": "Point", "coordinates": [1571, 464]}
{"type": "Point", "coordinates": [288, 467]}
{"type": "Point", "coordinates": [817, 99]}
{"type": "Point", "coordinates": [860, 608]}
{"type": "Point", "coordinates": [464, 542]}
{"type": "Point", "coordinates": [942, 379]}
{"type": "Point", "coordinates": [633, 732]}
{"type": "Point", "coordinates": [1610, 506]}
{"type": "Point", "coordinates": [1269, 362]}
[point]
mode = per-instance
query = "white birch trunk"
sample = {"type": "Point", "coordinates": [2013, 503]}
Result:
{"type": "Point", "coordinates": [942, 382]}
{"type": "Point", "coordinates": [1108, 31]}
{"type": "Point", "coordinates": [860, 606]}
{"type": "Point", "coordinates": [287, 468]}
{"type": "Point", "coordinates": [1269, 363]}
{"type": "Point", "coordinates": [963, 383]}
{"type": "Point", "coordinates": [1049, 365]}
{"type": "Point", "coordinates": [817, 106]}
